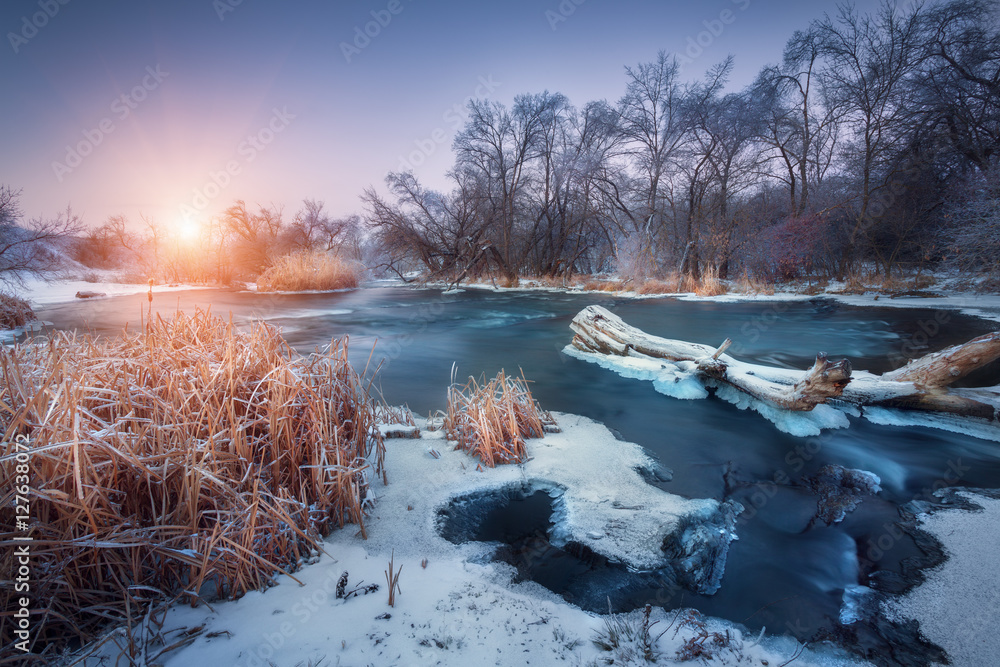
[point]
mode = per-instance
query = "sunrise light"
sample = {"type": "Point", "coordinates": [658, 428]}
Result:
{"type": "Point", "coordinates": [188, 229]}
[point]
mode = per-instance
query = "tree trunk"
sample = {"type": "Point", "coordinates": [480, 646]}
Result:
{"type": "Point", "coordinates": [920, 385]}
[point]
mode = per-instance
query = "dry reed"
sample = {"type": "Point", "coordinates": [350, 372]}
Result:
{"type": "Point", "coordinates": [709, 283]}
{"type": "Point", "coordinates": [188, 459]}
{"type": "Point", "coordinates": [14, 311]}
{"type": "Point", "coordinates": [314, 270]}
{"type": "Point", "coordinates": [492, 419]}
{"type": "Point", "coordinates": [751, 285]}
{"type": "Point", "coordinates": [657, 287]}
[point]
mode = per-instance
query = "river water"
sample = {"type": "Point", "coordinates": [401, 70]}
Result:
{"type": "Point", "coordinates": [782, 573]}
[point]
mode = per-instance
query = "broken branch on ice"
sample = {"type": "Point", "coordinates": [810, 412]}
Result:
{"type": "Point", "coordinates": [920, 385]}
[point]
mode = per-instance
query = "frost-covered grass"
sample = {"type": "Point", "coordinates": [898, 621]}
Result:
{"type": "Point", "coordinates": [313, 270]}
{"type": "Point", "coordinates": [14, 311]}
{"type": "Point", "coordinates": [492, 419]}
{"type": "Point", "coordinates": [187, 458]}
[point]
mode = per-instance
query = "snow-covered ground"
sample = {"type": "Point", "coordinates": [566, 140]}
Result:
{"type": "Point", "coordinates": [984, 305]}
{"type": "Point", "coordinates": [455, 606]}
{"type": "Point", "coordinates": [959, 604]}
{"type": "Point", "coordinates": [39, 292]}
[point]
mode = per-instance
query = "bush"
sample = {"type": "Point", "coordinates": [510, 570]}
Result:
{"type": "Point", "coordinates": [14, 311]}
{"type": "Point", "coordinates": [309, 270]}
{"type": "Point", "coordinates": [492, 419]}
{"type": "Point", "coordinates": [186, 458]}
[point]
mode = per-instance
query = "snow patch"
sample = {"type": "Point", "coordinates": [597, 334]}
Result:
{"type": "Point", "coordinates": [958, 607]}
{"type": "Point", "coordinates": [963, 425]}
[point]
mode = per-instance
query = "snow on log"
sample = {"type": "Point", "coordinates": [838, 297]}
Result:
{"type": "Point", "coordinates": [921, 385]}
{"type": "Point", "coordinates": [601, 331]}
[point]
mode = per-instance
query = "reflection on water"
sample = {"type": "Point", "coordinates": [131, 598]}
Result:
{"type": "Point", "coordinates": [779, 574]}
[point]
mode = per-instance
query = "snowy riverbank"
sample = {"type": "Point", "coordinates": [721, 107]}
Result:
{"type": "Point", "coordinates": [456, 606]}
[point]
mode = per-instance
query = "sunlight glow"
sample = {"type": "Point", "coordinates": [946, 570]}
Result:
{"type": "Point", "coordinates": [188, 230]}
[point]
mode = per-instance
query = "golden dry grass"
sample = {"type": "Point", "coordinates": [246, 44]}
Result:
{"type": "Point", "coordinates": [709, 283]}
{"type": "Point", "coordinates": [747, 284]}
{"type": "Point", "coordinates": [492, 419]}
{"type": "Point", "coordinates": [657, 287]}
{"type": "Point", "coordinates": [604, 285]}
{"type": "Point", "coordinates": [14, 311]}
{"type": "Point", "coordinates": [186, 458]}
{"type": "Point", "coordinates": [314, 270]}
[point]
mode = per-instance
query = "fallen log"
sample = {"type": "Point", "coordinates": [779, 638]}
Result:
{"type": "Point", "coordinates": [940, 369]}
{"type": "Point", "coordinates": [920, 385]}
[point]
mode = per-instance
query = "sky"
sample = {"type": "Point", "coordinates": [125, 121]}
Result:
{"type": "Point", "coordinates": [174, 110]}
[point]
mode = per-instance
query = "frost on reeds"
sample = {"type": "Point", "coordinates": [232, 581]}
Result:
{"type": "Point", "coordinates": [492, 419]}
{"type": "Point", "coordinates": [187, 459]}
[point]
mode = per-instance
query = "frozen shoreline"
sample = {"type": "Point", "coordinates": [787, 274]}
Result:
{"type": "Point", "coordinates": [983, 305]}
{"type": "Point", "coordinates": [461, 608]}
{"type": "Point", "coordinates": [957, 607]}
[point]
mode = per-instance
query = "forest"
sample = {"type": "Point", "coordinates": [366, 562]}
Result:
{"type": "Point", "coordinates": [872, 144]}
{"type": "Point", "coordinates": [869, 150]}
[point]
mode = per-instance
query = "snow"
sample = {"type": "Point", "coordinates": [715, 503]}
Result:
{"type": "Point", "coordinates": [958, 607]}
{"type": "Point", "coordinates": [964, 425]}
{"type": "Point", "coordinates": [679, 380]}
{"type": "Point", "coordinates": [797, 423]}
{"type": "Point", "coordinates": [40, 292]}
{"type": "Point", "coordinates": [455, 606]}
{"type": "Point", "coordinates": [591, 475]}
{"type": "Point", "coordinates": [986, 306]}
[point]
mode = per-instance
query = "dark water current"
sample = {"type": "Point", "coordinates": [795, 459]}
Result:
{"type": "Point", "coordinates": [780, 574]}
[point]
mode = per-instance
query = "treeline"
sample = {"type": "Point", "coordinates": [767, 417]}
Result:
{"type": "Point", "coordinates": [239, 245]}
{"type": "Point", "coordinates": [873, 143]}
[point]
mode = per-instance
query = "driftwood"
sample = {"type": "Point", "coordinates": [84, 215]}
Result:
{"type": "Point", "coordinates": [920, 385]}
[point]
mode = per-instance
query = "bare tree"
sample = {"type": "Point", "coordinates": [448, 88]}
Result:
{"type": "Point", "coordinates": [254, 236]}
{"type": "Point", "coordinates": [802, 124]}
{"type": "Point", "coordinates": [654, 127]}
{"type": "Point", "coordinates": [314, 228]}
{"type": "Point", "coordinates": [868, 60]}
{"type": "Point", "coordinates": [496, 147]}
{"type": "Point", "coordinates": [960, 89]}
{"type": "Point", "coordinates": [443, 234]}
{"type": "Point", "coordinates": [34, 247]}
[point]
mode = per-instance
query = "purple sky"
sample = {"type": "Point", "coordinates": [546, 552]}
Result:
{"type": "Point", "coordinates": [167, 108]}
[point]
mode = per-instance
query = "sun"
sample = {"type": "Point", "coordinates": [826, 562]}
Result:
{"type": "Point", "coordinates": [188, 230]}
